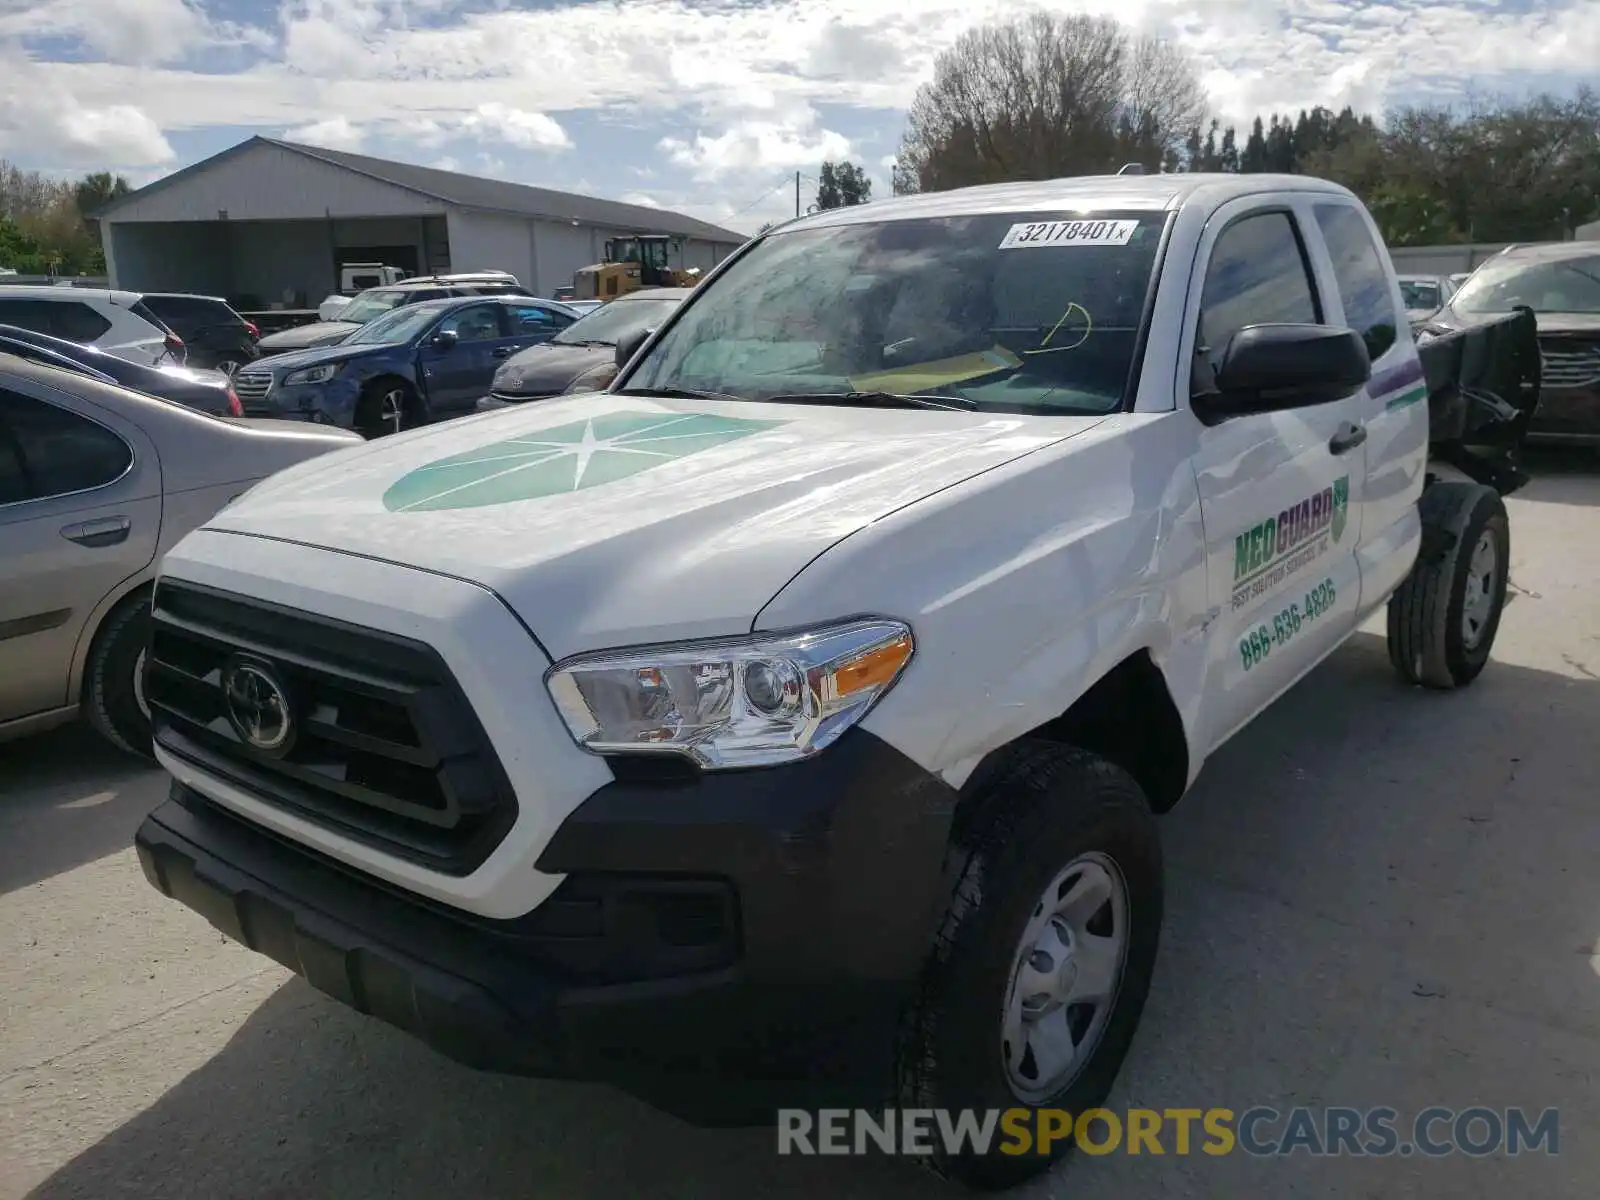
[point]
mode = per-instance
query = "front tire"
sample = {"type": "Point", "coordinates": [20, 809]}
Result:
{"type": "Point", "coordinates": [1041, 968]}
{"type": "Point", "coordinates": [386, 406]}
{"type": "Point", "coordinates": [1444, 617]}
{"type": "Point", "coordinates": [113, 686]}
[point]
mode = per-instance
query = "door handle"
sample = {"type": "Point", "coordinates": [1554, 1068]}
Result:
{"type": "Point", "coordinates": [1348, 438]}
{"type": "Point", "coordinates": [105, 531]}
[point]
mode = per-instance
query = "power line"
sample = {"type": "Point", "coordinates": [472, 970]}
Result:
{"type": "Point", "coordinates": [782, 183]}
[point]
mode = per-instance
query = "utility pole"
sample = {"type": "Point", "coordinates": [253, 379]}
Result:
{"type": "Point", "coordinates": [797, 193]}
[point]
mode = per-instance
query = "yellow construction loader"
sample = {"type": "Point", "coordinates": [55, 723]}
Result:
{"type": "Point", "coordinates": [631, 263]}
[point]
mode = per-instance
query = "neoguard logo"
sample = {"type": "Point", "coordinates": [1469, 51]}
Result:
{"type": "Point", "coordinates": [1275, 548]}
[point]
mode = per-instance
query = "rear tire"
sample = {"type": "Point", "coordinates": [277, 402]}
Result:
{"type": "Point", "coordinates": [386, 406]}
{"type": "Point", "coordinates": [113, 687]}
{"type": "Point", "coordinates": [1444, 618]}
{"type": "Point", "coordinates": [1054, 823]}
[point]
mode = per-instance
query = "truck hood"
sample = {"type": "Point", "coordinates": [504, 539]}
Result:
{"type": "Point", "coordinates": [605, 520]}
{"type": "Point", "coordinates": [318, 333]}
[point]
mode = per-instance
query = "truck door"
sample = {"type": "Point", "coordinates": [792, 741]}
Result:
{"type": "Point", "coordinates": [1280, 492]}
{"type": "Point", "coordinates": [1394, 406]}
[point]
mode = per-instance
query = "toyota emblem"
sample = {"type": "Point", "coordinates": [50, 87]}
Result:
{"type": "Point", "coordinates": [258, 705]}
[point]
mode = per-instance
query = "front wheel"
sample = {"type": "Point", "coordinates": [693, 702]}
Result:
{"type": "Point", "coordinates": [386, 406]}
{"type": "Point", "coordinates": [1040, 972]}
{"type": "Point", "coordinates": [1444, 617]}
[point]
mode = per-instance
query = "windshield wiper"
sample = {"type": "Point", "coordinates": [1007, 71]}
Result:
{"type": "Point", "coordinates": [875, 400]}
{"type": "Point", "coordinates": [675, 393]}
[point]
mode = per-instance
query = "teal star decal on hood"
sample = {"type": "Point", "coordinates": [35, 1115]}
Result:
{"type": "Point", "coordinates": [566, 458]}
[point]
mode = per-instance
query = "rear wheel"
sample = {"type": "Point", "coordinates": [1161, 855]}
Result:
{"type": "Point", "coordinates": [1039, 975]}
{"type": "Point", "coordinates": [113, 685]}
{"type": "Point", "coordinates": [387, 406]}
{"type": "Point", "coordinates": [1444, 618]}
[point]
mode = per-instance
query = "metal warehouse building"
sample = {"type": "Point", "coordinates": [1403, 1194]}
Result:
{"type": "Point", "coordinates": [268, 222]}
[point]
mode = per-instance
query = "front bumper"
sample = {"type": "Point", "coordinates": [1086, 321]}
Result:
{"type": "Point", "coordinates": [763, 928]}
{"type": "Point", "coordinates": [330, 403]}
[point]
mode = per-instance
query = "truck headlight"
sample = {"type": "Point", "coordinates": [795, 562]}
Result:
{"type": "Point", "coordinates": [739, 702]}
{"type": "Point", "coordinates": [312, 375]}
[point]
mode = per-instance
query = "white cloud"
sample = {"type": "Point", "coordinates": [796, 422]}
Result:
{"type": "Point", "coordinates": [138, 32]}
{"type": "Point", "coordinates": [756, 147]}
{"type": "Point", "coordinates": [495, 121]}
{"type": "Point", "coordinates": [334, 133]}
{"type": "Point", "coordinates": [50, 125]}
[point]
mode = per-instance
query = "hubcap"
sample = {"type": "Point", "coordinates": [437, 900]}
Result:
{"type": "Point", "coordinates": [138, 685]}
{"type": "Point", "coordinates": [228, 367]}
{"type": "Point", "coordinates": [391, 413]}
{"type": "Point", "coordinates": [1065, 978]}
{"type": "Point", "coordinates": [1477, 604]}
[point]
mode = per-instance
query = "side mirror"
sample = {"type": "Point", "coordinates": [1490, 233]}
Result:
{"type": "Point", "coordinates": [628, 345]}
{"type": "Point", "coordinates": [446, 339]}
{"type": "Point", "coordinates": [1270, 368]}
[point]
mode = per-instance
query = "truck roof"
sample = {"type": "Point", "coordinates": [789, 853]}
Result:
{"type": "Point", "coordinates": [1154, 193]}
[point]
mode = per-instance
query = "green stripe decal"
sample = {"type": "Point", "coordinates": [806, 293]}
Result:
{"type": "Point", "coordinates": [1405, 399]}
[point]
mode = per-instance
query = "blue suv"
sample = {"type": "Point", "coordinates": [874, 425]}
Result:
{"type": "Point", "coordinates": [420, 363]}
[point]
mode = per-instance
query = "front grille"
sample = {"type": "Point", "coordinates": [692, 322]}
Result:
{"type": "Point", "coordinates": [252, 388]}
{"type": "Point", "coordinates": [1570, 364]}
{"type": "Point", "coordinates": [386, 748]}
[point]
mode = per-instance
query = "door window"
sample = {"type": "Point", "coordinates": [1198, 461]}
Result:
{"type": "Point", "coordinates": [55, 452]}
{"type": "Point", "coordinates": [480, 323]}
{"type": "Point", "coordinates": [28, 314]}
{"type": "Point", "coordinates": [1258, 275]}
{"type": "Point", "coordinates": [78, 322]}
{"type": "Point", "coordinates": [532, 318]}
{"type": "Point", "coordinates": [1362, 277]}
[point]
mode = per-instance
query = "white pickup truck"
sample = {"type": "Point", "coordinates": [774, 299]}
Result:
{"type": "Point", "coordinates": [796, 711]}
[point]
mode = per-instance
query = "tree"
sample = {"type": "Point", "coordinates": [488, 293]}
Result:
{"type": "Point", "coordinates": [840, 185]}
{"type": "Point", "coordinates": [45, 226]}
{"type": "Point", "coordinates": [95, 191]}
{"type": "Point", "coordinates": [1042, 95]}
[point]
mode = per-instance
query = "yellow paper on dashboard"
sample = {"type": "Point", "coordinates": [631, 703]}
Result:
{"type": "Point", "coordinates": [942, 372]}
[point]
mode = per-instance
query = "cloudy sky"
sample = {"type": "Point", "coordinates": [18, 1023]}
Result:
{"type": "Point", "coordinates": [706, 106]}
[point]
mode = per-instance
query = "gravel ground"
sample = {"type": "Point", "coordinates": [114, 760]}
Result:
{"type": "Point", "coordinates": [1377, 897]}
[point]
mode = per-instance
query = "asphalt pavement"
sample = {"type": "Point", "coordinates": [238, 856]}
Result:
{"type": "Point", "coordinates": [1377, 897]}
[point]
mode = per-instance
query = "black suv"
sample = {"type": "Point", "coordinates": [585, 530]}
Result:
{"type": "Point", "coordinates": [374, 302]}
{"type": "Point", "coordinates": [215, 335]}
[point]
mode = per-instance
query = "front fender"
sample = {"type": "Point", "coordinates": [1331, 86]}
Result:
{"type": "Point", "coordinates": [1026, 585]}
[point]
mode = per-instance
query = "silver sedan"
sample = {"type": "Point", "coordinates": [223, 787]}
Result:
{"type": "Point", "coordinates": [96, 483]}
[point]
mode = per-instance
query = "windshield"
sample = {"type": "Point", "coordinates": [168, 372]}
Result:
{"type": "Point", "coordinates": [612, 322]}
{"type": "Point", "coordinates": [398, 325]}
{"type": "Point", "coordinates": [1420, 293]}
{"type": "Point", "coordinates": [1012, 312]}
{"type": "Point", "coordinates": [370, 304]}
{"type": "Point", "coordinates": [1568, 286]}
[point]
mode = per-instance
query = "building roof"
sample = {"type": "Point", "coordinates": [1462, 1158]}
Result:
{"type": "Point", "coordinates": [473, 191]}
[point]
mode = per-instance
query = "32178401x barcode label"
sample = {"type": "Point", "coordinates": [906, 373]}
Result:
{"type": "Point", "coordinates": [1035, 234]}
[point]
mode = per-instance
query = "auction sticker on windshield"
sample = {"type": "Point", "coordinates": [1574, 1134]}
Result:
{"type": "Point", "coordinates": [1030, 234]}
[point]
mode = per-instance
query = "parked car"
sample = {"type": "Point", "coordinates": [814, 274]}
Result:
{"type": "Point", "coordinates": [208, 391]}
{"type": "Point", "coordinates": [214, 334]}
{"type": "Point", "coordinates": [1425, 295]}
{"type": "Point", "coordinates": [582, 357]}
{"type": "Point", "coordinates": [1560, 282]}
{"type": "Point", "coordinates": [117, 322]}
{"type": "Point", "coordinates": [374, 302]}
{"type": "Point", "coordinates": [96, 483]}
{"type": "Point", "coordinates": [798, 710]}
{"type": "Point", "coordinates": [419, 363]}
